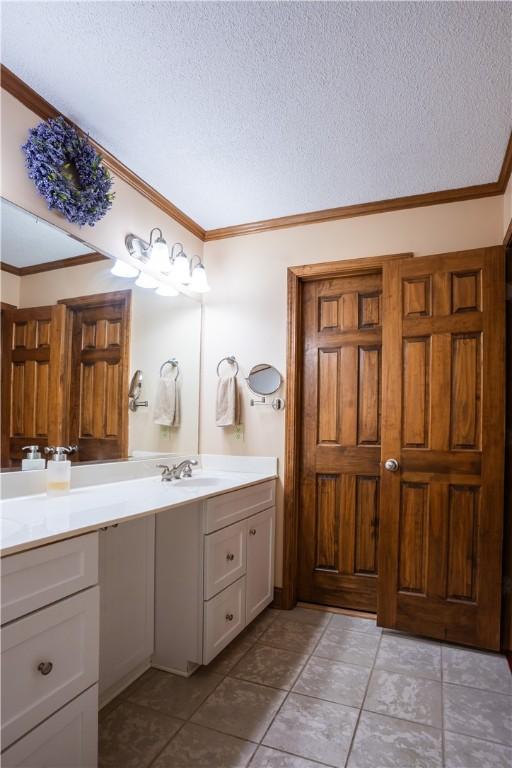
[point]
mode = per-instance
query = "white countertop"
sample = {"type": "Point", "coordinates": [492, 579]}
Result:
{"type": "Point", "coordinates": [30, 521]}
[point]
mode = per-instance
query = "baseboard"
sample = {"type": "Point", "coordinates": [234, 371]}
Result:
{"type": "Point", "coordinates": [106, 696]}
{"type": "Point", "coordinates": [278, 598]}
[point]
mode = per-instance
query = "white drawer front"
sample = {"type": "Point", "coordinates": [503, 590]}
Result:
{"type": "Point", "coordinates": [224, 558]}
{"type": "Point", "coordinates": [231, 507]}
{"type": "Point", "coordinates": [224, 618]}
{"type": "Point", "coordinates": [42, 576]}
{"type": "Point", "coordinates": [64, 635]}
{"type": "Point", "coordinates": [68, 739]}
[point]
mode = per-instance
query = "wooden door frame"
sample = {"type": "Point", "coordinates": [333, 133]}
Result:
{"type": "Point", "coordinates": [297, 276]}
{"type": "Point", "coordinates": [101, 300]}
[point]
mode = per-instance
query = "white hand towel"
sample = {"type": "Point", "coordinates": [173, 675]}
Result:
{"type": "Point", "coordinates": [227, 405]}
{"type": "Point", "coordinates": [167, 402]}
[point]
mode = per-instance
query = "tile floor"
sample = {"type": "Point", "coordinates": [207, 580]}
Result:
{"type": "Point", "coordinates": [304, 689]}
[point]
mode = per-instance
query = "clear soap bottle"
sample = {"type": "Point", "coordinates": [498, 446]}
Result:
{"type": "Point", "coordinates": [58, 470]}
{"type": "Point", "coordinates": [32, 458]}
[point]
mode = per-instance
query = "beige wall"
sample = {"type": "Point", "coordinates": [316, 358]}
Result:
{"type": "Point", "coordinates": [507, 206]}
{"type": "Point", "coordinates": [162, 327]}
{"type": "Point", "coordinates": [130, 212]}
{"type": "Point", "coordinates": [245, 313]}
{"type": "Point", "coordinates": [10, 288]}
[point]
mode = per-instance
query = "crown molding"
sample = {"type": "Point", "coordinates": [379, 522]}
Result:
{"type": "Point", "coordinates": [360, 209]}
{"type": "Point", "coordinates": [31, 99]}
{"type": "Point", "coordinates": [48, 266]}
{"type": "Point", "coordinates": [492, 189]}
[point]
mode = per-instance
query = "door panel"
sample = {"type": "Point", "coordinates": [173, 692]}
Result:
{"type": "Point", "coordinates": [441, 512]}
{"type": "Point", "coordinates": [99, 367]}
{"type": "Point", "coordinates": [340, 474]}
{"type": "Point", "coordinates": [33, 362]}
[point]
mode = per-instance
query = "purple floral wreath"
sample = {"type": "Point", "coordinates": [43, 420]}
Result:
{"type": "Point", "coordinates": [68, 172]}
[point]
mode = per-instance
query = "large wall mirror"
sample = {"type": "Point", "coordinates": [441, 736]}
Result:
{"type": "Point", "coordinates": [74, 335]}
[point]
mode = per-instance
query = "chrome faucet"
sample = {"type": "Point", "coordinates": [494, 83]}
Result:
{"type": "Point", "coordinates": [177, 471]}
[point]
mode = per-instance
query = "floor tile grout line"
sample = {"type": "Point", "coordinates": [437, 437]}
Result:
{"type": "Point", "coordinates": [352, 740]}
{"type": "Point", "coordinates": [479, 738]}
{"type": "Point", "coordinates": [309, 656]}
{"type": "Point", "coordinates": [476, 688]}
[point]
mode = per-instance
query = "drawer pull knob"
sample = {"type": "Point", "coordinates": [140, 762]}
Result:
{"type": "Point", "coordinates": [229, 617]}
{"type": "Point", "coordinates": [230, 556]}
{"type": "Point", "coordinates": [45, 667]}
{"type": "Point", "coordinates": [252, 531]}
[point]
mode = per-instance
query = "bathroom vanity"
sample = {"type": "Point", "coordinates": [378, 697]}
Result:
{"type": "Point", "coordinates": [101, 584]}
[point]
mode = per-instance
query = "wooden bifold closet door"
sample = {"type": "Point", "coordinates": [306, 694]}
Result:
{"type": "Point", "coordinates": [401, 506]}
{"type": "Point", "coordinates": [341, 434]}
{"type": "Point", "coordinates": [443, 420]}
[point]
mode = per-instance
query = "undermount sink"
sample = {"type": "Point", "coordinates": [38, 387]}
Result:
{"type": "Point", "coordinates": [195, 482]}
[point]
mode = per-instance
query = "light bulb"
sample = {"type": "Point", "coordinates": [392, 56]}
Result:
{"type": "Point", "coordinates": [146, 281]}
{"type": "Point", "coordinates": [123, 269]}
{"type": "Point", "coordinates": [180, 269]}
{"type": "Point", "coordinates": [199, 282]}
{"type": "Point", "coordinates": [159, 256]}
{"type": "Point", "coordinates": [166, 290]}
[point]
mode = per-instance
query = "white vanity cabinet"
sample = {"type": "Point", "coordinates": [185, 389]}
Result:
{"type": "Point", "coordinates": [214, 573]}
{"type": "Point", "coordinates": [126, 578]}
{"type": "Point", "coordinates": [49, 659]}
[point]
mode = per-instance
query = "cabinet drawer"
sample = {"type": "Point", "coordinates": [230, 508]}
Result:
{"type": "Point", "coordinates": [224, 618]}
{"type": "Point", "coordinates": [42, 576]}
{"type": "Point", "coordinates": [231, 507]}
{"type": "Point", "coordinates": [68, 739]}
{"type": "Point", "coordinates": [224, 558]}
{"type": "Point", "coordinates": [63, 636]}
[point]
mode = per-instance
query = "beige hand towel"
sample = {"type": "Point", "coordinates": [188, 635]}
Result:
{"type": "Point", "coordinates": [227, 410]}
{"type": "Point", "coordinates": [167, 402]}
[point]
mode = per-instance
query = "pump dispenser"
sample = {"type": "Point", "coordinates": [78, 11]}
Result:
{"type": "Point", "coordinates": [58, 471]}
{"type": "Point", "coordinates": [32, 458]}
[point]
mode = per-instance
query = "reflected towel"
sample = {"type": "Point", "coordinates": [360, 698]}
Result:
{"type": "Point", "coordinates": [227, 410]}
{"type": "Point", "coordinates": [167, 402]}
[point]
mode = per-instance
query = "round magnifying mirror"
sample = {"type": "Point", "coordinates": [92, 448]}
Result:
{"type": "Point", "coordinates": [264, 379]}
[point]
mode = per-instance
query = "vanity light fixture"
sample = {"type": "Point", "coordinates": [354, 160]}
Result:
{"type": "Point", "coordinates": [199, 282]}
{"type": "Point", "coordinates": [180, 269]}
{"type": "Point", "coordinates": [123, 269]}
{"type": "Point", "coordinates": [155, 253]}
{"type": "Point", "coordinates": [177, 265]}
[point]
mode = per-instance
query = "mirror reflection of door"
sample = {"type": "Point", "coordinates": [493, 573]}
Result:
{"type": "Point", "coordinates": [33, 359]}
{"type": "Point", "coordinates": [64, 377]}
{"type": "Point", "coordinates": [99, 365]}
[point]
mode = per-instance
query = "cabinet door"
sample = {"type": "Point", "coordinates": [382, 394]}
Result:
{"type": "Point", "coordinates": [260, 562]}
{"type": "Point", "coordinates": [68, 738]}
{"type": "Point", "coordinates": [126, 568]}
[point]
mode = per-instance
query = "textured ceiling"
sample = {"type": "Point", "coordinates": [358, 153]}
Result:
{"type": "Point", "coordinates": [27, 240]}
{"type": "Point", "coordinates": [249, 110]}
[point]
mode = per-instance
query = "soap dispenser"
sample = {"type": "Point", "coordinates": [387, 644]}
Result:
{"type": "Point", "coordinates": [32, 458]}
{"type": "Point", "coordinates": [58, 471]}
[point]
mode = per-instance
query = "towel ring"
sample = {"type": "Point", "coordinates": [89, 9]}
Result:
{"type": "Point", "coordinates": [229, 359]}
{"type": "Point", "coordinates": [174, 364]}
